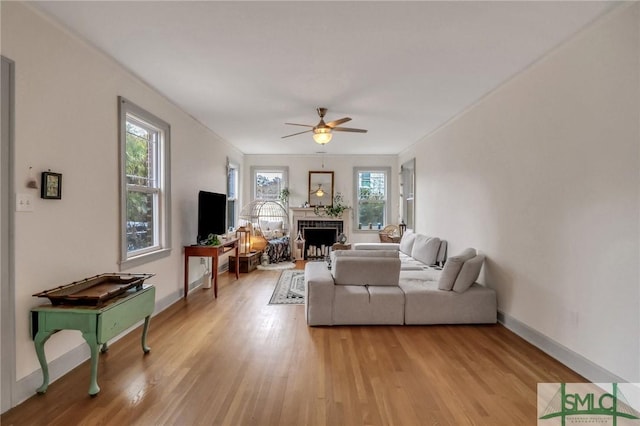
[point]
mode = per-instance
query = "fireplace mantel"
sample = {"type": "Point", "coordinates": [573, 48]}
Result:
{"type": "Point", "coordinates": [307, 213]}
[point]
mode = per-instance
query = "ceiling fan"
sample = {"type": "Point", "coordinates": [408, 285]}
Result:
{"type": "Point", "coordinates": [322, 131]}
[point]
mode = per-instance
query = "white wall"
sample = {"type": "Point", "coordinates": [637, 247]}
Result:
{"type": "Point", "coordinates": [542, 176]}
{"type": "Point", "coordinates": [342, 166]}
{"type": "Point", "coordinates": [66, 121]}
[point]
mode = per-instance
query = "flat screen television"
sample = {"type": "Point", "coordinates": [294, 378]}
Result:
{"type": "Point", "coordinates": [212, 214]}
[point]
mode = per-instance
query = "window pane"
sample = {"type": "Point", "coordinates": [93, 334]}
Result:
{"type": "Point", "coordinates": [231, 213]}
{"type": "Point", "coordinates": [138, 156]}
{"type": "Point", "coordinates": [268, 185]}
{"type": "Point", "coordinates": [372, 186]}
{"type": "Point", "coordinates": [371, 212]}
{"type": "Point", "coordinates": [232, 183]}
{"type": "Point", "coordinates": [140, 215]}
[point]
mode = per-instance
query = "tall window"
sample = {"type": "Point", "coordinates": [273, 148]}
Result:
{"type": "Point", "coordinates": [232, 194]}
{"type": "Point", "coordinates": [371, 191]}
{"type": "Point", "coordinates": [268, 182]}
{"type": "Point", "coordinates": [145, 189]}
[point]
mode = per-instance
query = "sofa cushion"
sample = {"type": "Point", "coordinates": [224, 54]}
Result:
{"type": "Point", "coordinates": [425, 304]}
{"type": "Point", "coordinates": [468, 274]}
{"type": "Point", "coordinates": [366, 270]}
{"type": "Point", "coordinates": [376, 246]}
{"type": "Point", "coordinates": [406, 243]}
{"type": "Point", "coordinates": [425, 249]}
{"type": "Point", "coordinates": [366, 253]}
{"type": "Point", "coordinates": [452, 269]}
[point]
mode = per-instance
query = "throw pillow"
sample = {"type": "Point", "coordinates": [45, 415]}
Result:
{"type": "Point", "coordinates": [406, 243]}
{"type": "Point", "coordinates": [468, 274]}
{"type": "Point", "coordinates": [452, 269]}
{"type": "Point", "coordinates": [425, 249]}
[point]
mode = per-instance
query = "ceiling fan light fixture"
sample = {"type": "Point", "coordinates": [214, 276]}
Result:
{"type": "Point", "coordinates": [322, 135]}
{"type": "Point", "coordinates": [320, 192]}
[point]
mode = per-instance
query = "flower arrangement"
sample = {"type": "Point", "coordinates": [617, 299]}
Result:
{"type": "Point", "coordinates": [334, 210]}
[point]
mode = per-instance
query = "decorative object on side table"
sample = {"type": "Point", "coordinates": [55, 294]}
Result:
{"type": "Point", "coordinates": [341, 246]}
{"type": "Point", "coordinates": [402, 227]}
{"type": "Point", "coordinates": [51, 185]}
{"type": "Point", "coordinates": [212, 240]}
{"type": "Point", "coordinates": [244, 239]}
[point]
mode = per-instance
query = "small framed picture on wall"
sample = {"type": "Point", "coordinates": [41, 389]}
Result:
{"type": "Point", "coordinates": [51, 186]}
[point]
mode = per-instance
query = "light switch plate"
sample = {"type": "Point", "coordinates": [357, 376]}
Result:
{"type": "Point", "coordinates": [24, 202]}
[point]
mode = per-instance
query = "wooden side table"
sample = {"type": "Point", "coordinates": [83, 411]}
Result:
{"type": "Point", "coordinates": [248, 262]}
{"type": "Point", "coordinates": [209, 251]}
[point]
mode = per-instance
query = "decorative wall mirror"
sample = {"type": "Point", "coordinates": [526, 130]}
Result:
{"type": "Point", "coordinates": [320, 189]}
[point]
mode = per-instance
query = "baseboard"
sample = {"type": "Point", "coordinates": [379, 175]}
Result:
{"type": "Point", "coordinates": [581, 365]}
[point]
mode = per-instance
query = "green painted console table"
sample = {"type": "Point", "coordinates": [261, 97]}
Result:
{"type": "Point", "coordinates": [97, 324]}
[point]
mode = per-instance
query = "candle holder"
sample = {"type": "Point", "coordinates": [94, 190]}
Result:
{"type": "Point", "coordinates": [244, 240]}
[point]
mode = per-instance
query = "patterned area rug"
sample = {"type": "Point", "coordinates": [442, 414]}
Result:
{"type": "Point", "coordinates": [289, 289]}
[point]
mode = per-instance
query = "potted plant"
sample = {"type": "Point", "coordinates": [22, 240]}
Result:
{"type": "Point", "coordinates": [283, 196]}
{"type": "Point", "coordinates": [334, 210]}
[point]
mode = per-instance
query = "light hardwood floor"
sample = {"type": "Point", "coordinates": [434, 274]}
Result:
{"type": "Point", "coordinates": [239, 361]}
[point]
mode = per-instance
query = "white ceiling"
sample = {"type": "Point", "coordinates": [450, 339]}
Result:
{"type": "Point", "coordinates": [398, 69]}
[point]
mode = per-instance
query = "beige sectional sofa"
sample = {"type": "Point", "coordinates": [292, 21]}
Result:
{"type": "Point", "coordinates": [398, 284]}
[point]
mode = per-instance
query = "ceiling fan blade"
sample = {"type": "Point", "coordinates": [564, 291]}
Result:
{"type": "Point", "coordinates": [296, 124]}
{"type": "Point", "coordinates": [294, 134]}
{"type": "Point", "coordinates": [348, 129]}
{"type": "Point", "coordinates": [335, 123]}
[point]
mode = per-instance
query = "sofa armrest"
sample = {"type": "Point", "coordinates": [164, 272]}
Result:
{"type": "Point", "coordinates": [376, 246]}
{"type": "Point", "coordinates": [319, 290]}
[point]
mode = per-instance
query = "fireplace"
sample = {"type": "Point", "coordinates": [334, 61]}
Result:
{"type": "Point", "coordinates": [304, 219]}
{"type": "Point", "coordinates": [318, 241]}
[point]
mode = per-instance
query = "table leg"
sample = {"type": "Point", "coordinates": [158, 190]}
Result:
{"type": "Point", "coordinates": [145, 329]}
{"type": "Point", "coordinates": [92, 341]}
{"type": "Point", "coordinates": [186, 275]}
{"type": "Point", "coordinates": [39, 341]}
{"type": "Point", "coordinates": [104, 348]}
{"type": "Point", "coordinates": [237, 263]}
{"type": "Point", "coordinates": [214, 272]}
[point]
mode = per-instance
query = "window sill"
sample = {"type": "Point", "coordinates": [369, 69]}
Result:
{"type": "Point", "coordinates": [144, 258]}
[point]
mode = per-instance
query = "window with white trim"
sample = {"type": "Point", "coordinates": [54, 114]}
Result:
{"type": "Point", "coordinates": [145, 185]}
{"type": "Point", "coordinates": [268, 182]}
{"type": "Point", "coordinates": [232, 195]}
{"type": "Point", "coordinates": [372, 209]}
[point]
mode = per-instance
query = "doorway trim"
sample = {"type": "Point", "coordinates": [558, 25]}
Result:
{"type": "Point", "coordinates": [7, 285]}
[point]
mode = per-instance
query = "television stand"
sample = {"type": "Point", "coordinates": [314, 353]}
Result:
{"type": "Point", "coordinates": [214, 252]}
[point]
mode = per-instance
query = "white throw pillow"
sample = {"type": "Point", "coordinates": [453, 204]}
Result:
{"type": "Point", "coordinates": [425, 249]}
{"type": "Point", "coordinates": [468, 274]}
{"type": "Point", "coordinates": [452, 268]}
{"type": "Point", "coordinates": [406, 242]}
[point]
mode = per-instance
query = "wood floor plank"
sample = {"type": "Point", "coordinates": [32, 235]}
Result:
{"type": "Point", "coordinates": [237, 360]}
